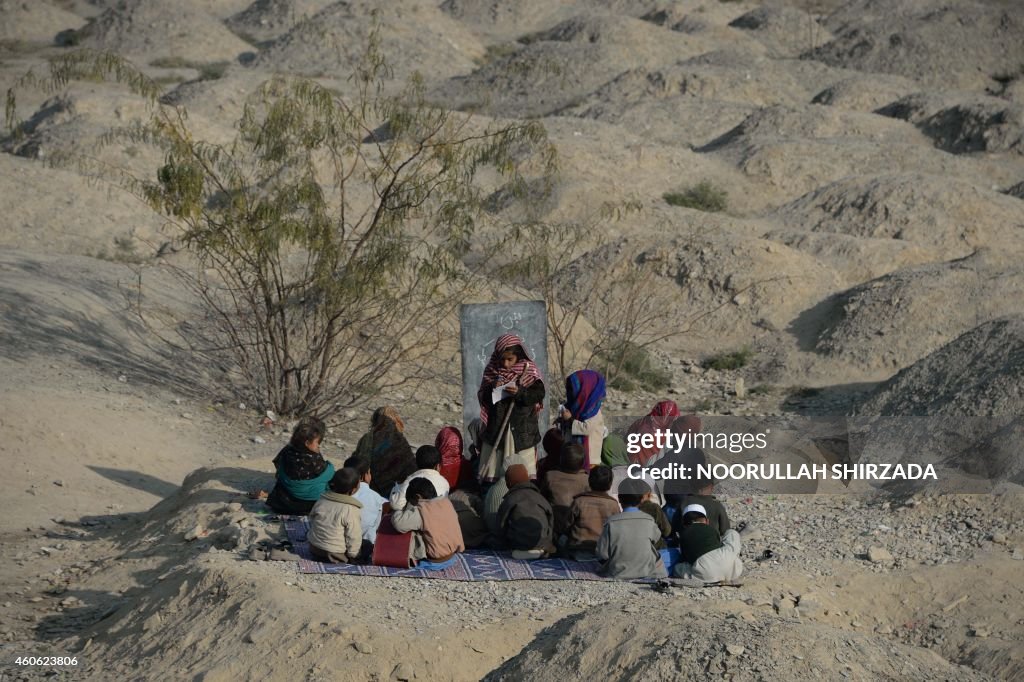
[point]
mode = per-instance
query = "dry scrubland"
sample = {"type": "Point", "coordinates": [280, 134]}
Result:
{"type": "Point", "coordinates": [868, 253]}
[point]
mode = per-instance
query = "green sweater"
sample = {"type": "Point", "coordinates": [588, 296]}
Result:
{"type": "Point", "coordinates": [310, 489]}
{"type": "Point", "coordinates": [696, 540]}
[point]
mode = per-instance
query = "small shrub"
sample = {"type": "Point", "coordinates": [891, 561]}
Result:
{"type": "Point", "coordinates": [731, 360]}
{"type": "Point", "coordinates": [798, 392]}
{"type": "Point", "coordinates": [208, 71]}
{"type": "Point", "coordinates": [68, 38]}
{"type": "Point", "coordinates": [213, 71]}
{"type": "Point", "coordinates": [703, 196]}
{"type": "Point", "coordinates": [172, 63]}
{"type": "Point", "coordinates": [628, 367]}
{"type": "Point", "coordinates": [498, 52]}
{"type": "Point", "coordinates": [704, 406]}
{"type": "Point", "coordinates": [760, 389]}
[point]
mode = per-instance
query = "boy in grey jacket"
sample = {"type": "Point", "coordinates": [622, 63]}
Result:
{"type": "Point", "coordinates": [626, 547]}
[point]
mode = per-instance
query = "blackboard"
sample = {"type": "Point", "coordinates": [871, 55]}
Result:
{"type": "Point", "coordinates": [480, 326]}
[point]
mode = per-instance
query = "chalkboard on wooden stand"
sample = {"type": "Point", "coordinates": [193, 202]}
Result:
{"type": "Point", "coordinates": [481, 324]}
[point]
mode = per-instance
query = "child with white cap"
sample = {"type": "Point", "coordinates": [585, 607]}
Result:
{"type": "Point", "coordinates": [703, 553]}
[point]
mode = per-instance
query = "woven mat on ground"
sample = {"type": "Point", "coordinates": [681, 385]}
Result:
{"type": "Point", "coordinates": [473, 565]}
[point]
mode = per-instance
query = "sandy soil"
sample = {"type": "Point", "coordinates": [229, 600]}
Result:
{"type": "Point", "coordinates": [869, 257]}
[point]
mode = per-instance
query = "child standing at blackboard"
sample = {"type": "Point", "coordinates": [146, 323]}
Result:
{"type": "Point", "coordinates": [511, 394]}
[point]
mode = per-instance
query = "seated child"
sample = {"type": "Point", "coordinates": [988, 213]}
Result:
{"type": "Point", "coordinates": [703, 554]}
{"type": "Point", "coordinates": [428, 466]}
{"type": "Point", "coordinates": [470, 509]}
{"type": "Point", "coordinates": [302, 472]}
{"type": "Point", "coordinates": [714, 509]}
{"type": "Point", "coordinates": [626, 547]}
{"type": "Point", "coordinates": [588, 513]}
{"type": "Point", "coordinates": [492, 503]}
{"type": "Point", "coordinates": [432, 520]}
{"type": "Point", "coordinates": [373, 503]}
{"type": "Point", "coordinates": [335, 534]}
{"type": "Point", "coordinates": [561, 485]}
{"type": "Point", "coordinates": [652, 508]}
{"type": "Point", "coordinates": [525, 517]}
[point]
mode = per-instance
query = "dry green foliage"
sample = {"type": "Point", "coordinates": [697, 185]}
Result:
{"type": "Point", "coordinates": [704, 196]}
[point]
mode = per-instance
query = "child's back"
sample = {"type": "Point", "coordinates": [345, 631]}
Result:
{"type": "Point", "coordinates": [335, 533]}
{"type": "Point", "coordinates": [587, 517]}
{"type": "Point", "coordinates": [560, 487]}
{"type": "Point", "coordinates": [432, 520]}
{"type": "Point", "coordinates": [716, 514]}
{"type": "Point", "coordinates": [590, 510]}
{"type": "Point", "coordinates": [627, 546]}
{"type": "Point", "coordinates": [526, 518]}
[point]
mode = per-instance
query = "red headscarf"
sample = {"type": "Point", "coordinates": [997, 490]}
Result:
{"type": "Point", "coordinates": [661, 418]}
{"type": "Point", "coordinates": [525, 371]}
{"type": "Point", "coordinates": [449, 442]}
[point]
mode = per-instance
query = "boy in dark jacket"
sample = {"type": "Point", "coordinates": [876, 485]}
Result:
{"type": "Point", "coordinates": [703, 553]}
{"type": "Point", "coordinates": [717, 517]}
{"type": "Point", "coordinates": [525, 517]}
{"type": "Point", "coordinates": [588, 513]}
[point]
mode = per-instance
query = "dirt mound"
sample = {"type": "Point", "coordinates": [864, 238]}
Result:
{"type": "Point", "coordinates": [119, 224]}
{"type": "Point", "coordinates": [416, 36]}
{"type": "Point", "coordinates": [980, 373]}
{"type": "Point", "coordinates": [798, 150]}
{"type": "Point", "coordinates": [857, 259]}
{"type": "Point", "coordinates": [963, 124]}
{"type": "Point", "coordinates": [892, 322]}
{"type": "Point", "coordinates": [560, 66]}
{"type": "Point", "coordinates": [748, 283]}
{"type": "Point", "coordinates": [945, 216]}
{"type": "Point", "coordinates": [638, 102]}
{"type": "Point", "coordinates": [153, 29]}
{"type": "Point", "coordinates": [268, 19]}
{"type": "Point", "coordinates": [963, 45]}
{"type": "Point", "coordinates": [689, 642]}
{"type": "Point", "coordinates": [785, 31]}
{"type": "Point", "coordinates": [814, 122]}
{"type": "Point", "coordinates": [35, 21]}
{"type": "Point", "coordinates": [866, 92]}
{"type": "Point", "coordinates": [506, 19]}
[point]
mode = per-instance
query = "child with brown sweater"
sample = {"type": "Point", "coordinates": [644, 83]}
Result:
{"type": "Point", "coordinates": [588, 513]}
{"type": "Point", "coordinates": [433, 521]}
